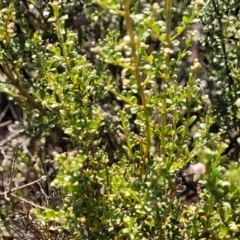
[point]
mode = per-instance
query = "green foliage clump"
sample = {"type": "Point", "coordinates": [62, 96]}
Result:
{"type": "Point", "coordinates": [132, 121]}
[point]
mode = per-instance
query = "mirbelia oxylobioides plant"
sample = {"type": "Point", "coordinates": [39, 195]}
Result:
{"type": "Point", "coordinates": [163, 124]}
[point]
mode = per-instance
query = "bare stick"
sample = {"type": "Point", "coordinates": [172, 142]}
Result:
{"type": "Point", "coordinates": [23, 186]}
{"type": "Point", "coordinates": [26, 201]}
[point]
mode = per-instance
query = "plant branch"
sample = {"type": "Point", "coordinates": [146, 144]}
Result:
{"type": "Point", "coordinates": [64, 50]}
{"type": "Point", "coordinates": [135, 55]}
{"type": "Point", "coordinates": [166, 74]}
{"type": "Point", "coordinates": [8, 73]}
{"type": "Point", "coordinates": [26, 201]}
{"type": "Point", "coordinates": [107, 7]}
{"type": "Point", "coordinates": [219, 19]}
{"type": "Point", "coordinates": [183, 29]}
{"type": "Point", "coordinates": [23, 186]}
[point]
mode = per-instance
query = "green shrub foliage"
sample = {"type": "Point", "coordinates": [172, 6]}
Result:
{"type": "Point", "coordinates": [128, 86]}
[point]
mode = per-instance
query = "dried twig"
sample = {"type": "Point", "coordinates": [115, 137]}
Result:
{"type": "Point", "coordinates": [23, 186]}
{"type": "Point", "coordinates": [5, 123]}
{"type": "Point", "coordinates": [13, 170]}
{"type": "Point", "coordinates": [4, 112]}
{"type": "Point", "coordinates": [26, 201]}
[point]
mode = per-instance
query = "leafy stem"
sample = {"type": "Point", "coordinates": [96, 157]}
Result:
{"type": "Point", "coordinates": [135, 55]}
{"type": "Point", "coordinates": [8, 73]}
{"type": "Point", "coordinates": [64, 49]}
{"type": "Point", "coordinates": [166, 74]}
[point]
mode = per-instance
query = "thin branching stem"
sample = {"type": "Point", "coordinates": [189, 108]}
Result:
{"type": "Point", "coordinates": [219, 19]}
{"type": "Point", "coordinates": [108, 7]}
{"type": "Point", "coordinates": [23, 186]}
{"type": "Point", "coordinates": [8, 73]}
{"type": "Point", "coordinates": [136, 59]}
{"type": "Point", "coordinates": [27, 201]}
{"type": "Point", "coordinates": [166, 74]}
{"type": "Point", "coordinates": [64, 50]}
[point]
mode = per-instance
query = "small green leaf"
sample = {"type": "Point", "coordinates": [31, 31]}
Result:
{"type": "Point", "coordinates": [64, 17]}
{"type": "Point", "coordinates": [186, 20]}
{"type": "Point", "coordinates": [180, 129]}
{"type": "Point", "coordinates": [223, 230]}
{"type": "Point", "coordinates": [134, 110]}
{"type": "Point", "coordinates": [126, 219]}
{"type": "Point", "coordinates": [192, 119]}
{"type": "Point", "coordinates": [68, 130]}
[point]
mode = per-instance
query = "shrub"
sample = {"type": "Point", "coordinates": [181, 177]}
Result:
{"type": "Point", "coordinates": [133, 114]}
